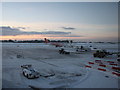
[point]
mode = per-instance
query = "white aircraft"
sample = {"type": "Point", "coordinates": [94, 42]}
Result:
{"type": "Point", "coordinates": [55, 44]}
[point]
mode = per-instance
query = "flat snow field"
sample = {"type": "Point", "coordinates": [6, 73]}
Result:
{"type": "Point", "coordinates": [69, 70]}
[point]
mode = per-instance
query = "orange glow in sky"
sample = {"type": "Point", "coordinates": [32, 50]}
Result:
{"type": "Point", "coordinates": [33, 37]}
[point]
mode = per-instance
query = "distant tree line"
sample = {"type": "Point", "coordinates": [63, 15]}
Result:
{"type": "Point", "coordinates": [34, 41]}
{"type": "Point", "coordinates": [42, 41]}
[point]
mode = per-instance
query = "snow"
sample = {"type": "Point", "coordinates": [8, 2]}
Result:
{"type": "Point", "coordinates": [97, 79]}
{"type": "Point", "coordinates": [0, 65]}
{"type": "Point", "coordinates": [69, 70]}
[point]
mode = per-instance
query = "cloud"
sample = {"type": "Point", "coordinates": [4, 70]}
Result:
{"type": "Point", "coordinates": [10, 31]}
{"type": "Point", "coordinates": [21, 27]}
{"type": "Point", "coordinates": [68, 28]}
{"type": "Point", "coordinates": [65, 36]}
{"type": "Point", "coordinates": [55, 32]}
{"type": "Point", "coordinates": [73, 36]}
{"type": "Point", "coordinates": [16, 31]}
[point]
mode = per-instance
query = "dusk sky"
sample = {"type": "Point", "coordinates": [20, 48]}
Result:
{"type": "Point", "coordinates": [83, 21]}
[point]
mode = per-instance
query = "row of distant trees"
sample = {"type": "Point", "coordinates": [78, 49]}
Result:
{"type": "Point", "coordinates": [33, 41]}
{"type": "Point", "coordinates": [42, 41]}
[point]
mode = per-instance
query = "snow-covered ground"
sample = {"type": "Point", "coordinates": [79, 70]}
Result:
{"type": "Point", "coordinates": [0, 65]}
{"type": "Point", "coordinates": [69, 70]}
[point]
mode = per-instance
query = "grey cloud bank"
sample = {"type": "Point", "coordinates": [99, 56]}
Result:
{"type": "Point", "coordinates": [16, 31]}
{"type": "Point", "coordinates": [68, 28]}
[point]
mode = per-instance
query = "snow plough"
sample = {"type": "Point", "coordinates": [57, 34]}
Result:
{"type": "Point", "coordinates": [101, 53]}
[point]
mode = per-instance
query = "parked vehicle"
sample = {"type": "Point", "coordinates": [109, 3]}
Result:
{"type": "Point", "coordinates": [29, 72]}
{"type": "Point", "coordinates": [101, 53]}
